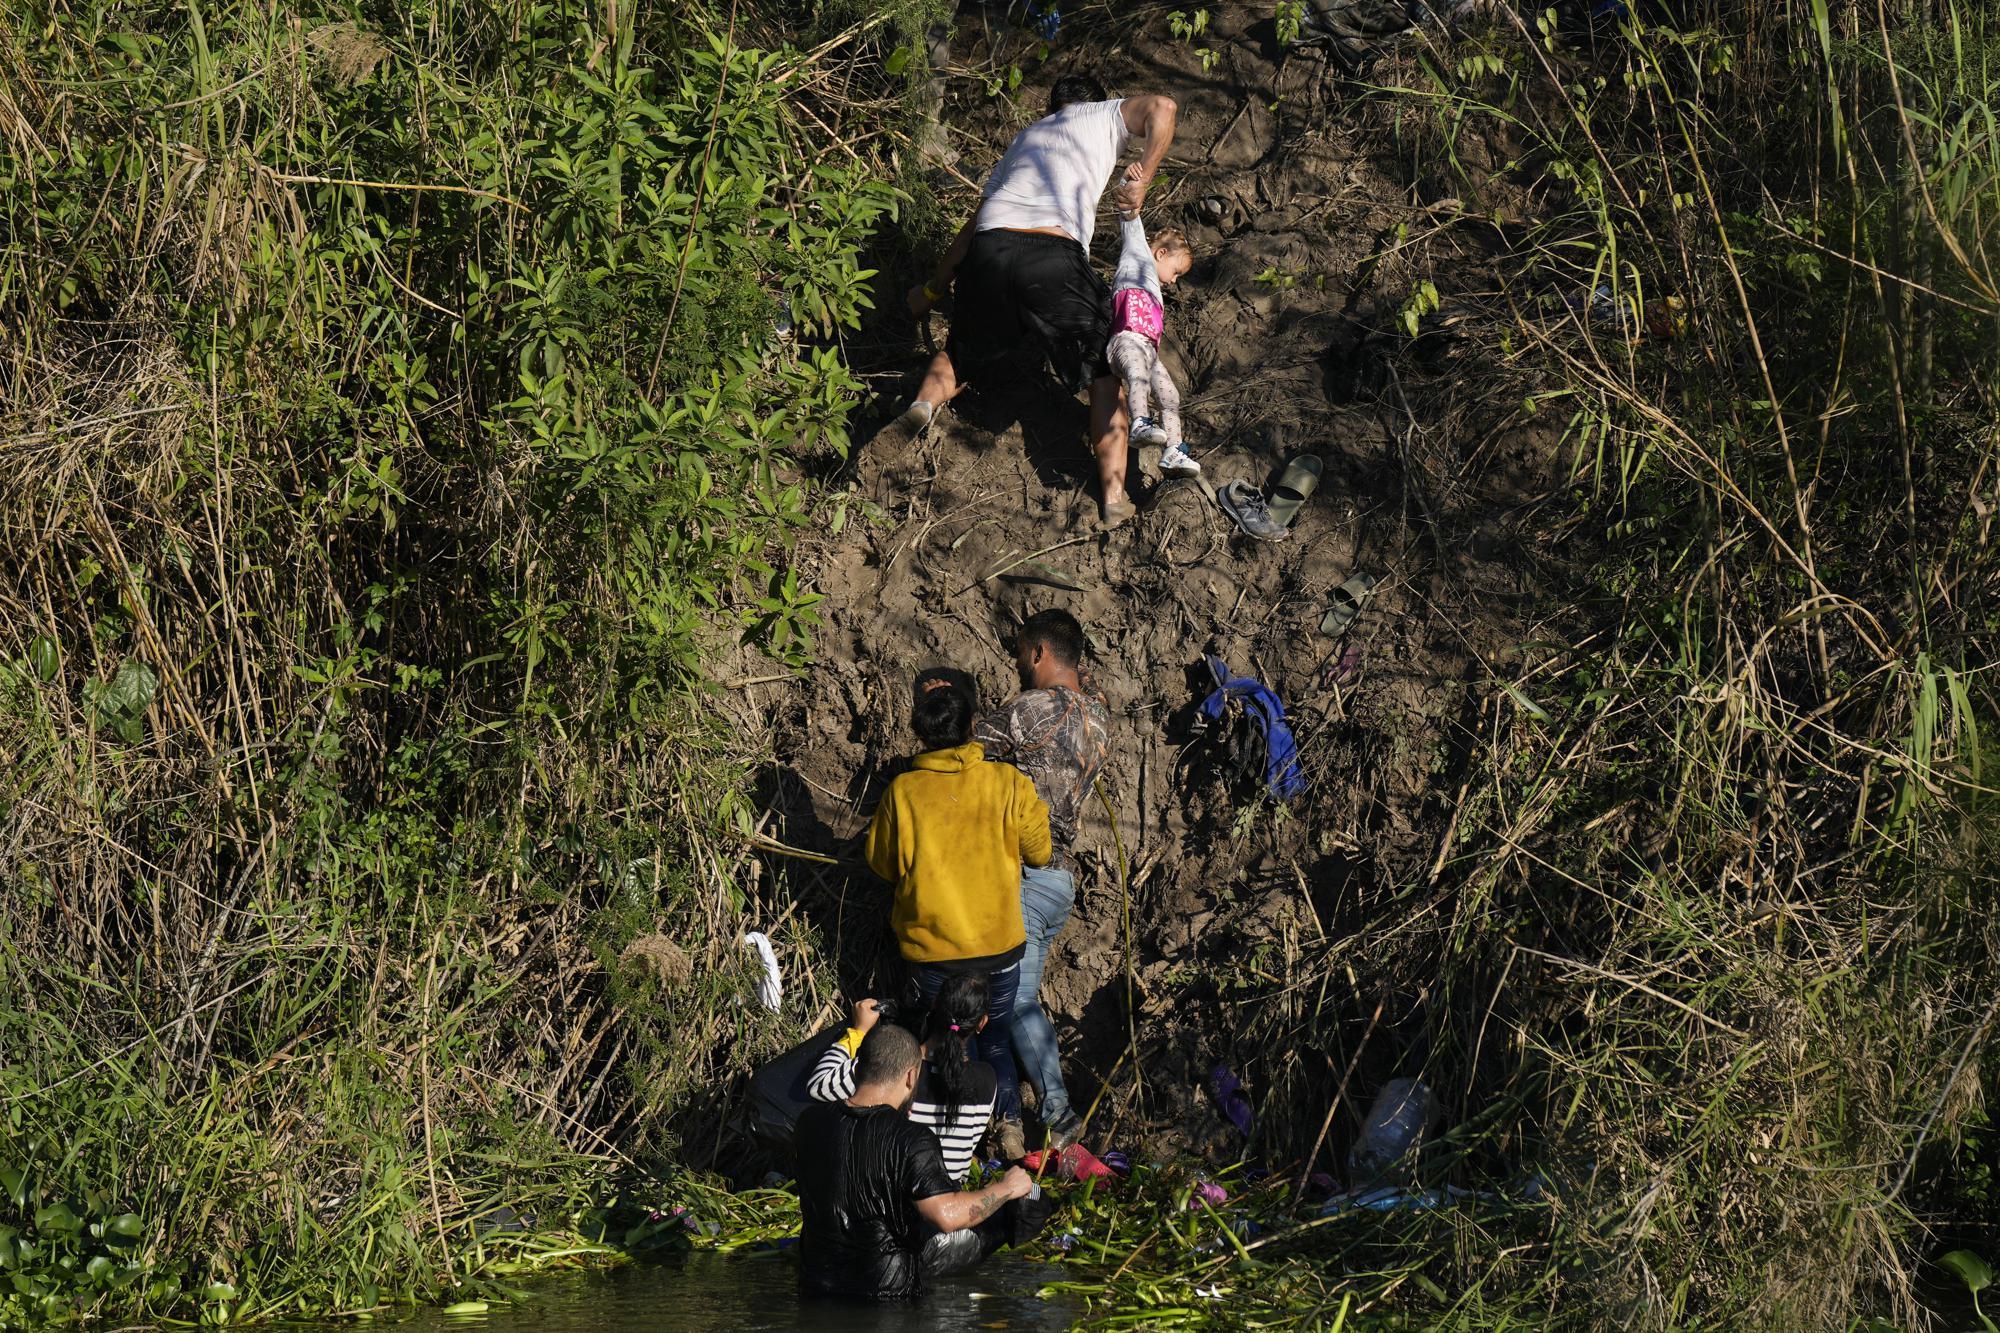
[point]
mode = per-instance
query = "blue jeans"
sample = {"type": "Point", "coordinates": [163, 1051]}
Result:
{"type": "Point", "coordinates": [996, 1039]}
{"type": "Point", "coordinates": [1046, 897]}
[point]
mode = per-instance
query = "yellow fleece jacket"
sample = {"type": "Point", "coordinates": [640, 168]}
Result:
{"type": "Point", "coordinates": [951, 834]}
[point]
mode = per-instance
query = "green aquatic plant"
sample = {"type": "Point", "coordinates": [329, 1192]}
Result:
{"type": "Point", "coordinates": [61, 1256]}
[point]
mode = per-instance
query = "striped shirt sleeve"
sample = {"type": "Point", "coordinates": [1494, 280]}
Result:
{"type": "Point", "coordinates": [832, 1079]}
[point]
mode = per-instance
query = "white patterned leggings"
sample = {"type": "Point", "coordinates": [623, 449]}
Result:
{"type": "Point", "coordinates": [1147, 383]}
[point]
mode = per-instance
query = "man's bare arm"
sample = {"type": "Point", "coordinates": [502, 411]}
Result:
{"type": "Point", "coordinates": [1153, 115]}
{"type": "Point", "coordinates": [957, 1212]}
{"type": "Point", "coordinates": [925, 295]}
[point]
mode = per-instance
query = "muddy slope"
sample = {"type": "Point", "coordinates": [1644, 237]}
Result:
{"type": "Point", "coordinates": [1310, 231]}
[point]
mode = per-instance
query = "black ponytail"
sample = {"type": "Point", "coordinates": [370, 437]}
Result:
{"type": "Point", "coordinates": [954, 1021]}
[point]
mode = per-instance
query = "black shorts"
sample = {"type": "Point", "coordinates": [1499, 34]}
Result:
{"type": "Point", "coordinates": [1024, 296]}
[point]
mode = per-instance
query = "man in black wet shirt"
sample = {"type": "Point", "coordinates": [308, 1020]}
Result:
{"type": "Point", "coordinates": [872, 1184]}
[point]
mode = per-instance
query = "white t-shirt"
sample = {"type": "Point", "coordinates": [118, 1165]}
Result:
{"type": "Point", "coordinates": [1055, 171]}
{"type": "Point", "coordinates": [1136, 265]}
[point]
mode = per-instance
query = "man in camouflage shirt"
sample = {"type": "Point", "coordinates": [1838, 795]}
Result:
{"type": "Point", "coordinates": [1059, 735]}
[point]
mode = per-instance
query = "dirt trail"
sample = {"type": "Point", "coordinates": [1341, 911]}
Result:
{"type": "Point", "coordinates": [1285, 336]}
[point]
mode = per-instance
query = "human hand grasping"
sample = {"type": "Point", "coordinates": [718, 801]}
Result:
{"type": "Point", "coordinates": [1131, 193]}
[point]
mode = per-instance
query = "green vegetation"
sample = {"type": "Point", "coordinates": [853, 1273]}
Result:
{"type": "Point", "coordinates": [1712, 934]}
{"type": "Point", "coordinates": [396, 417]}
{"type": "Point", "coordinates": [402, 405]}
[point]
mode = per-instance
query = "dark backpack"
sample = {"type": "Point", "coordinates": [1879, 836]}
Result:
{"type": "Point", "coordinates": [778, 1093]}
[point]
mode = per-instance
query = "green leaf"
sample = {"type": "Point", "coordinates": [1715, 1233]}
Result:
{"type": "Point", "coordinates": [121, 704]}
{"type": "Point", "coordinates": [1528, 706]}
{"type": "Point", "coordinates": [58, 1220]}
{"type": "Point", "coordinates": [1971, 1269]}
{"type": "Point", "coordinates": [44, 656]}
{"type": "Point", "coordinates": [218, 1291]}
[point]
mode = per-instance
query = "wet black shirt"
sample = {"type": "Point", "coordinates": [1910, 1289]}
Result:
{"type": "Point", "coordinates": [861, 1172]}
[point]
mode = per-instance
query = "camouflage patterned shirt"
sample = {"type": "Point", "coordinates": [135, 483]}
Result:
{"type": "Point", "coordinates": [1060, 738]}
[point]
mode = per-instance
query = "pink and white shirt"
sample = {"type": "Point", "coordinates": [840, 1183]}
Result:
{"type": "Point", "coordinates": [1135, 288]}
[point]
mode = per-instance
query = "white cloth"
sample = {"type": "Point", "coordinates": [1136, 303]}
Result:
{"type": "Point", "coordinates": [1055, 171]}
{"type": "Point", "coordinates": [771, 984]}
{"type": "Point", "coordinates": [1135, 261]}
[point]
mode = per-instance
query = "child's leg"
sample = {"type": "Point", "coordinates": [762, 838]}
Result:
{"type": "Point", "coordinates": [1168, 400]}
{"type": "Point", "coordinates": [1132, 357]}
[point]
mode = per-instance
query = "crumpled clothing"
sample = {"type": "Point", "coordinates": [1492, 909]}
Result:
{"type": "Point", "coordinates": [1075, 1162]}
{"type": "Point", "coordinates": [1231, 1100]}
{"type": "Point", "coordinates": [1281, 750]}
{"type": "Point", "coordinates": [770, 982]}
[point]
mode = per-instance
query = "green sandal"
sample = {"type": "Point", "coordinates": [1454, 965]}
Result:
{"type": "Point", "coordinates": [1294, 488]}
{"type": "Point", "coordinates": [1348, 599]}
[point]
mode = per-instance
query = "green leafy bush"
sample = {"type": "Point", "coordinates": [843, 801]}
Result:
{"type": "Point", "coordinates": [405, 404]}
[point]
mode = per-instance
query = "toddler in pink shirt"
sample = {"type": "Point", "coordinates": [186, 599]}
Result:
{"type": "Point", "coordinates": [1138, 321]}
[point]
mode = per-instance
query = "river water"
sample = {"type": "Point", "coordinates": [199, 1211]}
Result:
{"type": "Point", "coordinates": [714, 1291]}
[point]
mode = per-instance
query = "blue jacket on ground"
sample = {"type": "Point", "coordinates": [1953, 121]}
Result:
{"type": "Point", "coordinates": [1281, 752]}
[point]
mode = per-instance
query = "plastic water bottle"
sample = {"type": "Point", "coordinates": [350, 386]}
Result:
{"type": "Point", "coordinates": [1395, 1126]}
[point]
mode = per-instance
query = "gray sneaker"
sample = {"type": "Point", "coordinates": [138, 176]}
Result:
{"type": "Point", "coordinates": [1245, 503]}
{"type": "Point", "coordinates": [1064, 1130]}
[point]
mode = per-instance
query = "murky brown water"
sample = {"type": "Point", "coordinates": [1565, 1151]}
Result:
{"type": "Point", "coordinates": [758, 1292]}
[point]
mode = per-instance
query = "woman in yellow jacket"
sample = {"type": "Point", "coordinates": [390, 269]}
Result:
{"type": "Point", "coordinates": [952, 834]}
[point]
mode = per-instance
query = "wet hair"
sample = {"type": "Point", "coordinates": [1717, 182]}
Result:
{"type": "Point", "coordinates": [955, 1015]}
{"type": "Point", "coordinates": [944, 712]}
{"type": "Point", "coordinates": [887, 1053]}
{"type": "Point", "coordinates": [1058, 631]}
{"type": "Point", "coordinates": [1072, 88]}
{"type": "Point", "coordinates": [1173, 242]}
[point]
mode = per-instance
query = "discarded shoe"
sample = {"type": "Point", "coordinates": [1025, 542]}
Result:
{"type": "Point", "coordinates": [1245, 504]}
{"type": "Point", "coordinates": [908, 426]}
{"type": "Point", "coordinates": [1064, 1131]}
{"type": "Point", "coordinates": [1348, 599]}
{"type": "Point", "coordinates": [1145, 430]}
{"type": "Point", "coordinates": [1300, 480]}
{"type": "Point", "coordinates": [1176, 461]}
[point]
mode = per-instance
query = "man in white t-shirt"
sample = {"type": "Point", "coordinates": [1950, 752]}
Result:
{"type": "Point", "coordinates": [1025, 286]}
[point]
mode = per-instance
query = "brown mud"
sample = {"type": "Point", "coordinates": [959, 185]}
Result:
{"type": "Point", "coordinates": [1313, 220]}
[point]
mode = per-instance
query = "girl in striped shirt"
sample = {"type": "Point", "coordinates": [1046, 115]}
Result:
{"type": "Point", "coordinates": [955, 1093]}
